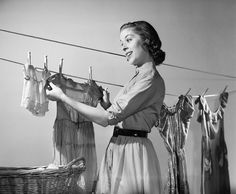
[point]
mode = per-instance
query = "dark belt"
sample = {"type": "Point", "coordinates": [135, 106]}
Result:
{"type": "Point", "coordinates": [129, 132]}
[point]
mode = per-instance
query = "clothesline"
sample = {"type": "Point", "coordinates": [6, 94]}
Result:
{"type": "Point", "coordinates": [108, 83]}
{"type": "Point", "coordinates": [22, 64]}
{"type": "Point", "coordinates": [111, 53]}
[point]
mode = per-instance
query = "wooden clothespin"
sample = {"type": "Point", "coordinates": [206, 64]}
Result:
{"type": "Point", "coordinates": [26, 65]}
{"type": "Point", "coordinates": [225, 89]}
{"type": "Point", "coordinates": [90, 73]}
{"type": "Point", "coordinates": [203, 94]}
{"type": "Point", "coordinates": [60, 66]}
{"type": "Point", "coordinates": [188, 91]}
{"type": "Point", "coordinates": [46, 62]}
{"type": "Point", "coordinates": [29, 58]}
{"type": "Point", "coordinates": [28, 62]}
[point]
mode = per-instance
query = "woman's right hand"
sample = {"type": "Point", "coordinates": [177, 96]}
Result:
{"type": "Point", "coordinates": [53, 92]}
{"type": "Point", "coordinates": [105, 102]}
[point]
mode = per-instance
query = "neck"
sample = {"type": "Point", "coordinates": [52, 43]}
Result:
{"type": "Point", "coordinates": [148, 61]}
{"type": "Point", "coordinates": [147, 65]}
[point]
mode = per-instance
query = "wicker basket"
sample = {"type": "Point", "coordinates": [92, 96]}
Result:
{"type": "Point", "coordinates": [40, 180]}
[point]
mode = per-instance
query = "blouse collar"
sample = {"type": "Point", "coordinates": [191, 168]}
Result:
{"type": "Point", "coordinates": [146, 67]}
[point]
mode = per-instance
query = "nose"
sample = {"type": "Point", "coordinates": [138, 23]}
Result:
{"type": "Point", "coordinates": [124, 47]}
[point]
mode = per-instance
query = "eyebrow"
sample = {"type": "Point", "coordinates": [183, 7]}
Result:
{"type": "Point", "coordinates": [129, 35]}
{"type": "Point", "coordinates": [126, 36]}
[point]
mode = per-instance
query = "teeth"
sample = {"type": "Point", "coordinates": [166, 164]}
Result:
{"type": "Point", "coordinates": [128, 54]}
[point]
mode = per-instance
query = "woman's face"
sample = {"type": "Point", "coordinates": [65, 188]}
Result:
{"type": "Point", "coordinates": [132, 45]}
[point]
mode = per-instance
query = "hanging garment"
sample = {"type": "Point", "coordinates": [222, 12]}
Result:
{"type": "Point", "coordinates": [130, 164]}
{"type": "Point", "coordinates": [73, 135]}
{"type": "Point", "coordinates": [34, 94]}
{"type": "Point", "coordinates": [214, 162]}
{"type": "Point", "coordinates": [174, 124]}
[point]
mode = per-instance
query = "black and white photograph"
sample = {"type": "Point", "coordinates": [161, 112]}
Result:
{"type": "Point", "coordinates": [118, 97]}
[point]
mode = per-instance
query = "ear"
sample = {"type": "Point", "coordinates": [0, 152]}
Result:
{"type": "Point", "coordinates": [146, 43]}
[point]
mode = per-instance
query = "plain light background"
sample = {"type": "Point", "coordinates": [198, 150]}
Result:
{"type": "Point", "coordinates": [195, 34]}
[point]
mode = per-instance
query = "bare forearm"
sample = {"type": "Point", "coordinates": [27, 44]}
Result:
{"type": "Point", "coordinates": [93, 114]}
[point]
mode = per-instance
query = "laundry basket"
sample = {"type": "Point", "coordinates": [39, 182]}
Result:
{"type": "Point", "coordinates": [40, 180]}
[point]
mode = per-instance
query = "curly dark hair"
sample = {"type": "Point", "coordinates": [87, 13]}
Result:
{"type": "Point", "coordinates": [150, 37]}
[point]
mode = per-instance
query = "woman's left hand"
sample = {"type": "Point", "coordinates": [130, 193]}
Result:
{"type": "Point", "coordinates": [54, 93]}
{"type": "Point", "coordinates": [105, 102]}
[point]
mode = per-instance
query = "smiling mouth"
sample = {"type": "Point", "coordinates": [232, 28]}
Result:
{"type": "Point", "coordinates": [128, 54]}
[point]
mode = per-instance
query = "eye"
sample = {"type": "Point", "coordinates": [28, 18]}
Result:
{"type": "Point", "coordinates": [128, 39]}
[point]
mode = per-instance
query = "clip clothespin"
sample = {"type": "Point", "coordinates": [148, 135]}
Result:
{"type": "Point", "coordinates": [60, 66]}
{"type": "Point", "coordinates": [46, 62]}
{"type": "Point", "coordinates": [203, 94]}
{"type": "Point", "coordinates": [90, 73]}
{"type": "Point", "coordinates": [188, 91]}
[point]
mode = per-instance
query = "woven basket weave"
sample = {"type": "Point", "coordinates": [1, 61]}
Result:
{"type": "Point", "coordinates": [39, 180]}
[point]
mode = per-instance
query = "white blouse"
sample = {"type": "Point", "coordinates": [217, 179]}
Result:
{"type": "Point", "coordinates": [137, 105]}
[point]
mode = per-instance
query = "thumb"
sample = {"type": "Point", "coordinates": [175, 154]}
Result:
{"type": "Point", "coordinates": [52, 85]}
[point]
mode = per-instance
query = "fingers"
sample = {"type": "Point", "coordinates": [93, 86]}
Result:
{"type": "Point", "coordinates": [47, 86]}
{"type": "Point", "coordinates": [105, 91]}
{"type": "Point", "coordinates": [50, 86]}
{"type": "Point", "coordinates": [51, 91]}
{"type": "Point", "coordinates": [106, 94]}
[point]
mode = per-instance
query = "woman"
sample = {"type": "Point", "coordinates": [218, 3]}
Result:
{"type": "Point", "coordinates": [130, 164]}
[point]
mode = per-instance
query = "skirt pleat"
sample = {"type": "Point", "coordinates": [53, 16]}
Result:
{"type": "Point", "coordinates": [130, 166]}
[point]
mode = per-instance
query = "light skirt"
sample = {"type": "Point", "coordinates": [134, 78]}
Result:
{"type": "Point", "coordinates": [130, 166]}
